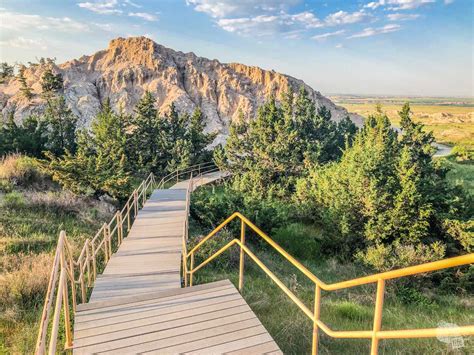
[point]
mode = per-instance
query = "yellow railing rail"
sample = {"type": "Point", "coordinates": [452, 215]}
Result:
{"type": "Point", "coordinates": [375, 334]}
{"type": "Point", "coordinates": [67, 272]}
{"type": "Point", "coordinates": [83, 270]}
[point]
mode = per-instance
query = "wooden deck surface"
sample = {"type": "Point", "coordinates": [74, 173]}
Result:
{"type": "Point", "coordinates": [138, 306]}
{"type": "Point", "coordinates": [207, 319]}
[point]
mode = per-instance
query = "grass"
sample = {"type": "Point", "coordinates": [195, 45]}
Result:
{"type": "Point", "coordinates": [450, 124]}
{"type": "Point", "coordinates": [30, 222]}
{"type": "Point", "coordinates": [345, 310]}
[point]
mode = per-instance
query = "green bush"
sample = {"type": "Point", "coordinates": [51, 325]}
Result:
{"type": "Point", "coordinates": [20, 170]}
{"type": "Point", "coordinates": [13, 199]}
{"type": "Point", "coordinates": [463, 153]}
{"type": "Point", "coordinates": [301, 241]}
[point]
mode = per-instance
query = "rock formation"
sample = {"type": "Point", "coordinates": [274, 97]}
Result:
{"type": "Point", "coordinates": [130, 66]}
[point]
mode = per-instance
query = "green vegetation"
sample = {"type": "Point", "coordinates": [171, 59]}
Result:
{"type": "Point", "coordinates": [34, 211]}
{"type": "Point", "coordinates": [407, 305]}
{"type": "Point", "coordinates": [384, 202]}
{"type": "Point", "coordinates": [345, 202]}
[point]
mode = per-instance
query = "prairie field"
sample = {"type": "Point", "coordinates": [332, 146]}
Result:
{"type": "Point", "coordinates": [452, 122]}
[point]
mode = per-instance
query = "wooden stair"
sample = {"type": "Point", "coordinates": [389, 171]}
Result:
{"type": "Point", "coordinates": [138, 306]}
{"type": "Point", "coordinates": [206, 319]}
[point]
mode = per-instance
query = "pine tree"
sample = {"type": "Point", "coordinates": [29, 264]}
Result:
{"type": "Point", "coordinates": [197, 138]}
{"type": "Point", "coordinates": [100, 165]}
{"type": "Point", "coordinates": [51, 84]}
{"type": "Point", "coordinates": [6, 71]}
{"type": "Point", "coordinates": [145, 147]}
{"type": "Point", "coordinates": [24, 88]}
{"type": "Point", "coordinates": [61, 135]}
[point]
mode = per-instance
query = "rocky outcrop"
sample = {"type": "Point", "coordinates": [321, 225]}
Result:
{"type": "Point", "coordinates": [130, 66]}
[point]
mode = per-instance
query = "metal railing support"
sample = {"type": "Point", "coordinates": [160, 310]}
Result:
{"type": "Point", "coordinates": [65, 269]}
{"type": "Point", "coordinates": [374, 349]}
{"type": "Point", "coordinates": [376, 333]}
{"type": "Point", "coordinates": [317, 308]}
{"type": "Point", "coordinates": [242, 256]}
{"type": "Point", "coordinates": [191, 272]}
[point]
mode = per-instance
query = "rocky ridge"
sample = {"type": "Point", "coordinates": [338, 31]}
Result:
{"type": "Point", "coordinates": [130, 66]}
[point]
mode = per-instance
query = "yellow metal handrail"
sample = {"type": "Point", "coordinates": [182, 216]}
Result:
{"type": "Point", "coordinates": [65, 269]}
{"type": "Point", "coordinates": [83, 271]}
{"type": "Point", "coordinates": [376, 333]}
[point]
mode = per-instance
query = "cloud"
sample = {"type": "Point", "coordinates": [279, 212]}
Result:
{"type": "Point", "coordinates": [131, 3]}
{"type": "Point", "coordinates": [225, 8]}
{"type": "Point", "coordinates": [104, 7]}
{"type": "Point", "coordinates": [344, 18]}
{"type": "Point", "coordinates": [144, 15]}
{"type": "Point", "coordinates": [402, 17]}
{"type": "Point", "coordinates": [368, 32]}
{"type": "Point", "coordinates": [264, 25]}
{"type": "Point", "coordinates": [25, 43]}
{"type": "Point", "coordinates": [339, 45]}
{"type": "Point", "coordinates": [326, 35]}
{"type": "Point", "coordinates": [306, 18]}
{"type": "Point", "coordinates": [447, 2]}
{"type": "Point", "coordinates": [398, 4]}
{"type": "Point", "coordinates": [17, 21]}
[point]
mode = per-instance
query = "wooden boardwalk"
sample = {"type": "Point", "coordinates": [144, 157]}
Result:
{"type": "Point", "coordinates": [137, 305]}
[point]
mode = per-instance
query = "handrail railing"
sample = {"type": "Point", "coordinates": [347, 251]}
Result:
{"type": "Point", "coordinates": [83, 271]}
{"type": "Point", "coordinates": [375, 334]}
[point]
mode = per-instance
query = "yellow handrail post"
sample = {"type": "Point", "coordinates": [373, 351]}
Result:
{"type": "Point", "coordinates": [135, 202]}
{"type": "Point", "coordinates": [73, 286]}
{"type": "Point", "coordinates": [109, 238]}
{"type": "Point", "coordinates": [377, 316]}
{"type": "Point", "coordinates": [119, 227]}
{"type": "Point", "coordinates": [94, 263]}
{"type": "Point", "coordinates": [128, 216]}
{"type": "Point", "coordinates": [88, 264]}
{"type": "Point", "coordinates": [57, 313]}
{"type": "Point", "coordinates": [106, 248]}
{"type": "Point", "coordinates": [64, 294]}
{"type": "Point", "coordinates": [317, 308]}
{"type": "Point", "coordinates": [242, 256]}
{"type": "Point", "coordinates": [191, 272]}
{"type": "Point", "coordinates": [83, 286]}
{"type": "Point", "coordinates": [67, 317]}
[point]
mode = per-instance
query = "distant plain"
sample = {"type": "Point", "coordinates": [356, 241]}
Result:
{"type": "Point", "coordinates": [450, 119]}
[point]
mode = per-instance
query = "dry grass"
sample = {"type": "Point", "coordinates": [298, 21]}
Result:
{"type": "Point", "coordinates": [450, 124]}
{"type": "Point", "coordinates": [17, 170]}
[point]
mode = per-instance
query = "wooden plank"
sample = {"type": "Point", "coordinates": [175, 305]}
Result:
{"type": "Point", "coordinates": [263, 348]}
{"type": "Point", "coordinates": [139, 335]}
{"type": "Point", "coordinates": [123, 313]}
{"type": "Point", "coordinates": [138, 305]}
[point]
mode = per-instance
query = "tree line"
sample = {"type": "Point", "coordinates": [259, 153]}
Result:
{"type": "Point", "coordinates": [116, 149]}
{"type": "Point", "coordinates": [379, 196]}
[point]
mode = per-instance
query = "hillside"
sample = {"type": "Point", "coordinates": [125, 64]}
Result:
{"type": "Point", "coordinates": [131, 66]}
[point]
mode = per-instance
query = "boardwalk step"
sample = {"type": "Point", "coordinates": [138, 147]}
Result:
{"type": "Point", "coordinates": [209, 319]}
{"type": "Point", "coordinates": [138, 306]}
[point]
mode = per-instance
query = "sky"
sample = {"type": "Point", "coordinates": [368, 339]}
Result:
{"type": "Point", "coordinates": [380, 47]}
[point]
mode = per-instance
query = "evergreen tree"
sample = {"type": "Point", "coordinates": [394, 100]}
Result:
{"type": "Point", "coordinates": [145, 137]}
{"type": "Point", "coordinates": [51, 84]}
{"type": "Point", "coordinates": [28, 138]}
{"type": "Point", "coordinates": [6, 71]}
{"type": "Point", "coordinates": [24, 88]}
{"type": "Point", "coordinates": [269, 153]}
{"type": "Point", "coordinates": [382, 199]}
{"type": "Point", "coordinates": [198, 139]}
{"type": "Point", "coordinates": [100, 165]}
{"type": "Point", "coordinates": [61, 135]}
